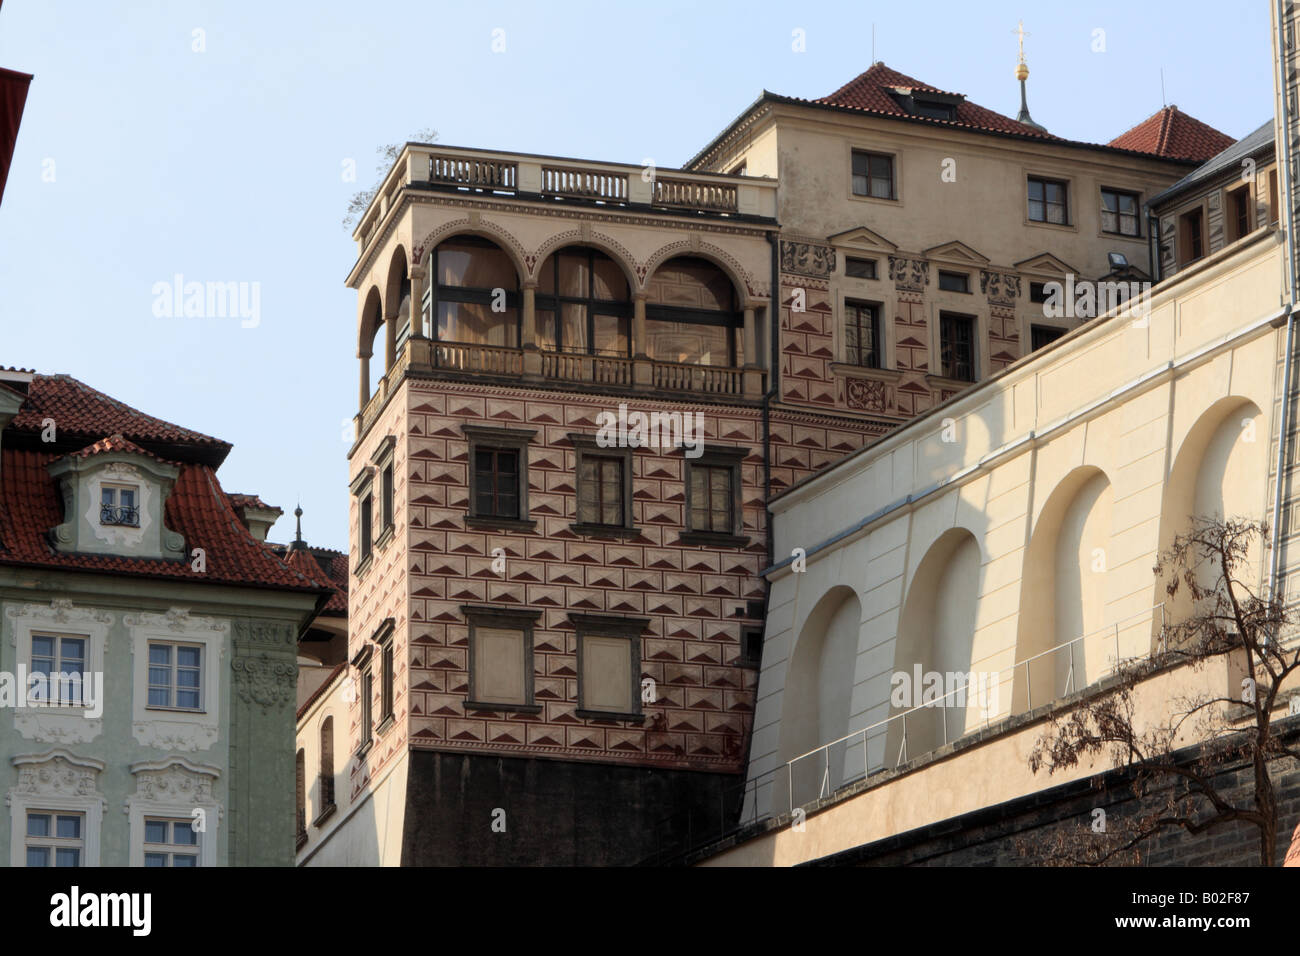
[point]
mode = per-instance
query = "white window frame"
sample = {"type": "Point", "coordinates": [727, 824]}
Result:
{"type": "Point", "coordinates": [117, 487]}
{"type": "Point", "coordinates": [173, 788]}
{"type": "Point", "coordinates": [168, 728]}
{"type": "Point", "coordinates": [56, 781]}
{"type": "Point", "coordinates": [60, 725]}
{"type": "Point", "coordinates": [174, 667]}
{"type": "Point", "coordinates": [54, 843]}
{"type": "Point", "coordinates": [171, 850]}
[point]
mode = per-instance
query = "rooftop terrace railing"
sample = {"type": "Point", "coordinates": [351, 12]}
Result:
{"type": "Point", "coordinates": [554, 179]}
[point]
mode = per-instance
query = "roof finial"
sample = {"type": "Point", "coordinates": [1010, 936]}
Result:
{"type": "Point", "coordinates": [297, 541]}
{"type": "Point", "coordinates": [1022, 74]}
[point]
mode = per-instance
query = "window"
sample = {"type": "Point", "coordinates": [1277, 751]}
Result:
{"type": "Point", "coordinates": [957, 347]}
{"type": "Point", "coordinates": [386, 496]}
{"type": "Point", "coordinates": [473, 294]}
{"type": "Point", "coordinates": [1119, 213]}
{"type": "Point", "coordinates": [751, 647]}
{"type": "Point", "coordinates": [583, 304]}
{"type": "Point", "coordinates": [118, 505]}
{"type": "Point", "coordinates": [873, 175]}
{"type": "Point", "coordinates": [301, 797]}
{"type": "Point", "coordinates": [54, 839]}
{"type": "Point", "coordinates": [862, 334]}
{"type": "Point", "coordinates": [496, 482]}
{"type": "Point", "coordinates": [1048, 201]}
{"type": "Point", "coordinates": [175, 676]}
{"type": "Point", "coordinates": [934, 109]}
{"type": "Point", "coordinates": [739, 168]}
{"type": "Point", "coordinates": [498, 477]}
{"type": "Point", "coordinates": [604, 488]}
{"type": "Point", "coordinates": [1273, 196]}
{"type": "Point", "coordinates": [326, 781]}
{"type": "Point", "coordinates": [1040, 335]}
{"type": "Point", "coordinates": [713, 498]}
{"type": "Point", "coordinates": [170, 842]}
{"type": "Point", "coordinates": [501, 658]}
{"type": "Point", "coordinates": [1191, 235]}
{"type": "Point", "coordinates": [692, 316]}
{"type": "Point", "coordinates": [386, 678]}
{"type": "Point", "coordinates": [954, 282]}
{"type": "Point", "coordinates": [365, 533]}
{"type": "Point", "coordinates": [1239, 221]}
{"type": "Point", "coordinates": [1038, 292]}
{"type": "Point", "coordinates": [365, 698]}
{"type": "Point", "coordinates": [609, 665]}
{"type": "Point", "coordinates": [859, 268]}
{"type": "Point", "coordinates": [62, 662]}
{"type": "Point", "coordinates": [382, 462]}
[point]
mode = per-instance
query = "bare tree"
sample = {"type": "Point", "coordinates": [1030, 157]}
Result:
{"type": "Point", "coordinates": [1228, 621]}
{"type": "Point", "coordinates": [388, 154]}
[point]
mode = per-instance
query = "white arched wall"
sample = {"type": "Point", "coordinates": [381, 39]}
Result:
{"type": "Point", "coordinates": [936, 633]}
{"type": "Point", "coordinates": [1064, 592]}
{"type": "Point", "coordinates": [1220, 471]}
{"type": "Point", "coordinates": [818, 694]}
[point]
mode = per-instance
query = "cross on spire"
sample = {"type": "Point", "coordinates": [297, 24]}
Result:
{"type": "Point", "coordinates": [1021, 33]}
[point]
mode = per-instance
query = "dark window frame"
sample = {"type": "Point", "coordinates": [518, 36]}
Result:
{"type": "Point", "coordinates": [363, 491]}
{"type": "Point", "coordinates": [1191, 236]}
{"type": "Point", "coordinates": [1136, 215]}
{"type": "Point", "coordinates": [553, 302]}
{"type": "Point", "coordinates": [1040, 336]}
{"type": "Point", "coordinates": [732, 319]}
{"type": "Point", "coordinates": [853, 354]}
{"type": "Point", "coordinates": [502, 618]}
{"type": "Point", "coordinates": [435, 293]}
{"type": "Point", "coordinates": [382, 460]}
{"type": "Point", "coordinates": [585, 446]}
{"type": "Point", "coordinates": [1239, 216]}
{"type": "Point", "coordinates": [325, 771]}
{"type": "Point", "coordinates": [949, 367]}
{"type": "Point", "coordinates": [869, 155]}
{"type": "Point", "coordinates": [872, 264]}
{"type": "Point", "coordinates": [609, 626]}
{"type": "Point", "coordinates": [1043, 182]}
{"type": "Point", "coordinates": [384, 641]}
{"type": "Point", "coordinates": [487, 438]}
{"type": "Point", "coordinates": [365, 697]}
{"type": "Point", "coordinates": [959, 280]}
{"type": "Point", "coordinates": [720, 457]}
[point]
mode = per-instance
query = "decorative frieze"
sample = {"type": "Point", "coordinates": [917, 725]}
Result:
{"type": "Point", "coordinates": [807, 259]}
{"type": "Point", "coordinates": [865, 394]}
{"type": "Point", "coordinates": [1001, 288]}
{"type": "Point", "coordinates": [911, 275]}
{"type": "Point", "coordinates": [269, 682]}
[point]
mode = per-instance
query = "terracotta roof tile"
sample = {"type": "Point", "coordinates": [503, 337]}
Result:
{"type": "Point", "coordinates": [302, 560]}
{"type": "Point", "coordinates": [79, 410]}
{"type": "Point", "coordinates": [250, 501]}
{"type": "Point", "coordinates": [870, 92]}
{"type": "Point", "coordinates": [116, 443]}
{"type": "Point", "coordinates": [1173, 134]}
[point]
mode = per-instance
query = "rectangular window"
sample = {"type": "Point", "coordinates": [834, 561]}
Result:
{"type": "Point", "coordinates": [601, 498]}
{"type": "Point", "coordinates": [1038, 292]}
{"type": "Point", "coordinates": [175, 676]}
{"type": "Point", "coordinates": [496, 483]}
{"type": "Point", "coordinates": [366, 700]}
{"type": "Point", "coordinates": [365, 531]}
{"type": "Point", "coordinates": [1238, 219]}
{"type": "Point", "coordinates": [862, 334]}
{"type": "Point", "coordinates": [54, 839]}
{"type": "Point", "coordinates": [954, 281]}
{"type": "Point", "coordinates": [170, 842]}
{"type": "Point", "coordinates": [501, 657]}
{"type": "Point", "coordinates": [62, 662]}
{"type": "Point", "coordinates": [957, 347]}
{"type": "Point", "coordinates": [386, 679]}
{"type": "Point", "coordinates": [386, 496]}
{"type": "Point", "coordinates": [712, 498]}
{"type": "Point", "coordinates": [1274, 198]}
{"type": "Point", "coordinates": [873, 175]}
{"type": "Point", "coordinates": [1119, 213]}
{"type": "Point", "coordinates": [1048, 201]}
{"type": "Point", "coordinates": [1192, 232]}
{"type": "Point", "coordinates": [1040, 335]}
{"type": "Point", "coordinates": [118, 505]}
{"type": "Point", "coordinates": [859, 268]}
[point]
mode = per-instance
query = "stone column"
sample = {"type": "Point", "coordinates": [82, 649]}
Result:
{"type": "Point", "coordinates": [642, 368]}
{"type": "Point", "coordinates": [417, 302]}
{"type": "Point", "coordinates": [751, 338]}
{"type": "Point", "coordinates": [528, 332]}
{"type": "Point", "coordinates": [365, 380]}
{"type": "Point", "coordinates": [390, 340]}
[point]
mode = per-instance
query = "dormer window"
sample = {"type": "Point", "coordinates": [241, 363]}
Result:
{"type": "Point", "coordinates": [928, 103]}
{"type": "Point", "coordinates": [118, 505]}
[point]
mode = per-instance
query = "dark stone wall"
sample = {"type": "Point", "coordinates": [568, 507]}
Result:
{"type": "Point", "coordinates": [996, 835]}
{"type": "Point", "coordinates": [557, 813]}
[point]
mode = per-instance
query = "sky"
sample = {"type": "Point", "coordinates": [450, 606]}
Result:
{"type": "Point", "coordinates": [213, 141]}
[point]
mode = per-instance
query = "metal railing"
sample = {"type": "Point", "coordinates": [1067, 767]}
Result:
{"type": "Point", "coordinates": [119, 514]}
{"type": "Point", "coordinates": [1066, 663]}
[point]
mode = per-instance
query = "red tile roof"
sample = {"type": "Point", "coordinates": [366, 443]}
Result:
{"type": "Point", "coordinates": [870, 92]}
{"type": "Point", "coordinates": [197, 508]}
{"type": "Point", "coordinates": [80, 411]}
{"type": "Point", "coordinates": [1173, 134]}
{"type": "Point", "coordinates": [250, 501]}
{"type": "Point", "coordinates": [309, 564]}
{"type": "Point", "coordinates": [115, 443]}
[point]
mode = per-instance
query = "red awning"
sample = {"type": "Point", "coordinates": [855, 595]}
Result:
{"type": "Point", "coordinates": [13, 96]}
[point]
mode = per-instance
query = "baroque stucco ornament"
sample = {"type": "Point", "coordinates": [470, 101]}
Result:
{"type": "Point", "coordinates": [911, 275]}
{"type": "Point", "coordinates": [174, 781]}
{"type": "Point", "coordinates": [807, 258]}
{"type": "Point", "coordinates": [57, 773]}
{"type": "Point", "coordinates": [1001, 288]}
{"type": "Point", "coordinates": [269, 682]}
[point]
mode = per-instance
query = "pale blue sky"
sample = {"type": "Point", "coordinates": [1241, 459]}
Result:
{"type": "Point", "coordinates": [226, 165]}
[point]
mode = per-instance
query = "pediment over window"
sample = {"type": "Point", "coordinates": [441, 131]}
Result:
{"type": "Point", "coordinates": [114, 494]}
{"type": "Point", "coordinates": [1045, 264]}
{"type": "Point", "coordinates": [174, 780]}
{"type": "Point", "coordinates": [956, 251]}
{"type": "Point", "coordinates": [861, 237]}
{"type": "Point", "coordinates": [57, 773]}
